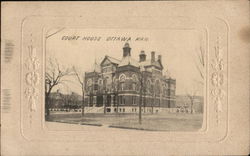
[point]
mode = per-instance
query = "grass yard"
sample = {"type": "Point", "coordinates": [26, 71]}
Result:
{"type": "Point", "coordinates": [151, 122]}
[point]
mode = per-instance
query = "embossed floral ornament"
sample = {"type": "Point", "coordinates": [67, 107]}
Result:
{"type": "Point", "coordinates": [32, 94]}
{"type": "Point", "coordinates": [218, 95]}
{"type": "Point", "coordinates": [217, 79]}
{"type": "Point", "coordinates": [32, 78]}
{"type": "Point", "coordinates": [218, 63]}
{"type": "Point", "coordinates": [32, 63]}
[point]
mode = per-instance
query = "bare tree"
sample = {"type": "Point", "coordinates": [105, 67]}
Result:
{"type": "Point", "coordinates": [53, 76]}
{"type": "Point", "coordinates": [116, 86]}
{"type": "Point", "coordinates": [106, 94]}
{"type": "Point", "coordinates": [141, 84]}
{"type": "Point", "coordinates": [154, 103]}
{"type": "Point", "coordinates": [191, 95]}
{"type": "Point", "coordinates": [80, 79]}
{"type": "Point", "coordinates": [141, 92]}
{"type": "Point", "coordinates": [200, 65]}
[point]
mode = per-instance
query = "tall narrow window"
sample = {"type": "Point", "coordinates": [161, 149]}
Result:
{"type": "Point", "coordinates": [134, 86]}
{"type": "Point", "coordinates": [133, 100]}
{"type": "Point", "coordinates": [120, 99]}
{"type": "Point", "coordinates": [122, 86]}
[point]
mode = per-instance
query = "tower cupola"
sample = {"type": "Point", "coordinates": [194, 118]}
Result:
{"type": "Point", "coordinates": [142, 56]}
{"type": "Point", "coordinates": [126, 50]}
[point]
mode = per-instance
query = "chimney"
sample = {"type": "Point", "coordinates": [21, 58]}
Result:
{"type": "Point", "coordinates": [142, 56]}
{"type": "Point", "coordinates": [126, 50]}
{"type": "Point", "coordinates": [159, 58]}
{"type": "Point", "coordinates": [152, 56]}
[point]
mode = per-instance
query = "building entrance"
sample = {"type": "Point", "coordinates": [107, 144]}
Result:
{"type": "Point", "coordinates": [99, 101]}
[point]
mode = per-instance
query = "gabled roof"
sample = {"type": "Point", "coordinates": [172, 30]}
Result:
{"type": "Point", "coordinates": [149, 63]}
{"type": "Point", "coordinates": [158, 64]}
{"type": "Point", "coordinates": [111, 59]}
{"type": "Point", "coordinates": [128, 60]}
{"type": "Point", "coordinates": [114, 60]}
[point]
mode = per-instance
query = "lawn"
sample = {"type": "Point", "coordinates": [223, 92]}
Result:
{"type": "Point", "coordinates": [151, 122]}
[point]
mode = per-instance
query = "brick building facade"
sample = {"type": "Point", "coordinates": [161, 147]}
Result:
{"type": "Point", "coordinates": [117, 85]}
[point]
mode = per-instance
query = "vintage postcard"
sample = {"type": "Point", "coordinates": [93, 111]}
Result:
{"type": "Point", "coordinates": [125, 78]}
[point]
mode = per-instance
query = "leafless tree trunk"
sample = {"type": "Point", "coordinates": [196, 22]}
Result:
{"type": "Point", "coordinates": [140, 100]}
{"type": "Point", "coordinates": [83, 103]}
{"type": "Point", "coordinates": [191, 95]}
{"type": "Point", "coordinates": [117, 102]}
{"type": "Point", "coordinates": [154, 97]}
{"type": "Point", "coordinates": [53, 76]}
{"type": "Point", "coordinates": [116, 90]}
{"type": "Point", "coordinates": [105, 98]}
{"type": "Point", "coordinates": [80, 80]}
{"type": "Point", "coordinates": [105, 102]}
{"type": "Point", "coordinates": [144, 99]}
{"type": "Point", "coordinates": [200, 65]}
{"type": "Point", "coordinates": [141, 84]}
{"type": "Point", "coordinates": [153, 104]}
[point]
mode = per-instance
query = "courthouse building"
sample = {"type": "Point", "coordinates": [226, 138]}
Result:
{"type": "Point", "coordinates": [120, 84]}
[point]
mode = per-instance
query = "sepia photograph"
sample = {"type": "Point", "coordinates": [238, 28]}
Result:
{"type": "Point", "coordinates": [133, 79]}
{"type": "Point", "coordinates": [125, 78]}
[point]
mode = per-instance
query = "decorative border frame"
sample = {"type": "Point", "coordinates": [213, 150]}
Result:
{"type": "Point", "coordinates": [216, 115]}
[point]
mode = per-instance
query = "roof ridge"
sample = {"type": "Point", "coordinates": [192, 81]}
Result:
{"type": "Point", "coordinates": [113, 58]}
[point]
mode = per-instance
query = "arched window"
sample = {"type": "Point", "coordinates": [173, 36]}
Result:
{"type": "Point", "coordinates": [134, 86]}
{"type": "Point", "coordinates": [89, 82]}
{"type": "Point", "coordinates": [148, 85]}
{"type": "Point", "coordinates": [114, 84]}
{"type": "Point", "coordinates": [122, 77]}
{"type": "Point", "coordinates": [134, 78]}
{"type": "Point", "coordinates": [114, 80]}
{"type": "Point", "coordinates": [164, 89]}
{"type": "Point", "coordinates": [122, 86]}
{"type": "Point", "coordinates": [100, 81]}
{"type": "Point", "coordinates": [166, 85]}
{"type": "Point", "coordinates": [89, 85]}
{"type": "Point", "coordinates": [157, 87]}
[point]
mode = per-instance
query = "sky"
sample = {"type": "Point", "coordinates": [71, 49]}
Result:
{"type": "Point", "coordinates": [178, 48]}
